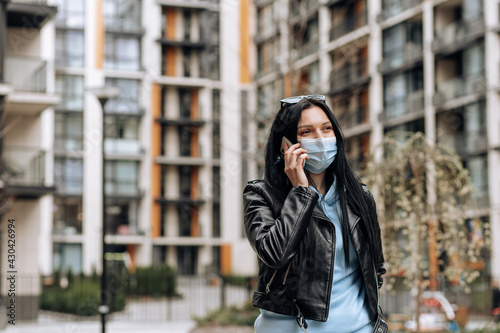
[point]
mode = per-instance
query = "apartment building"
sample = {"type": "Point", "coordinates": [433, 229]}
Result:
{"type": "Point", "coordinates": [169, 196]}
{"type": "Point", "coordinates": [385, 65]}
{"type": "Point", "coordinates": [27, 100]}
{"type": "Point", "coordinates": [173, 163]}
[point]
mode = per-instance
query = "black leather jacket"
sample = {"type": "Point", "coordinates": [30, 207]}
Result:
{"type": "Point", "coordinates": [295, 245]}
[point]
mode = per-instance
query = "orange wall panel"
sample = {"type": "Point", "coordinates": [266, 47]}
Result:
{"type": "Point", "coordinates": [156, 101]}
{"type": "Point", "coordinates": [245, 40]}
{"type": "Point", "coordinates": [225, 259]}
{"type": "Point", "coordinates": [100, 35]}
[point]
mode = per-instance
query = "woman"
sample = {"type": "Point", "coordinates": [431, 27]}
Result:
{"type": "Point", "coordinates": [314, 228]}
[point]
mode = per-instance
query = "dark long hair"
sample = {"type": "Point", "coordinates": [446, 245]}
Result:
{"type": "Point", "coordinates": [360, 202]}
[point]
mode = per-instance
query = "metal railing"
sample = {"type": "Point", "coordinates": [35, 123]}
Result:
{"type": "Point", "coordinates": [348, 74]}
{"type": "Point", "coordinates": [457, 32]}
{"type": "Point", "coordinates": [394, 7]}
{"type": "Point", "coordinates": [412, 102]}
{"type": "Point", "coordinates": [459, 86]}
{"type": "Point", "coordinates": [26, 73]}
{"type": "Point", "coordinates": [24, 165]}
{"type": "Point", "coordinates": [350, 118]}
{"type": "Point", "coordinates": [409, 53]}
{"type": "Point", "coordinates": [348, 24]}
{"type": "Point", "coordinates": [198, 295]}
{"type": "Point", "coordinates": [122, 146]}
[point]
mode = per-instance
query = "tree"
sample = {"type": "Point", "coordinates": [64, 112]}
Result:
{"type": "Point", "coordinates": [424, 201]}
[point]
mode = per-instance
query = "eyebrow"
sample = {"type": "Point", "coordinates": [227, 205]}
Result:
{"type": "Point", "coordinates": [309, 125]}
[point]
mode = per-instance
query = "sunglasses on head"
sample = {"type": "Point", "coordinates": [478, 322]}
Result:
{"type": "Point", "coordinates": [296, 99]}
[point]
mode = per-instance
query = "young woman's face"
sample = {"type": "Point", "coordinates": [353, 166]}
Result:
{"type": "Point", "coordinates": [314, 124]}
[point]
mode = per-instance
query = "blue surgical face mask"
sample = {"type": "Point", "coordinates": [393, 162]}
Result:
{"type": "Point", "coordinates": [321, 153]}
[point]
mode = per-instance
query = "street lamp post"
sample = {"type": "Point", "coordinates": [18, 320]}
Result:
{"type": "Point", "coordinates": [103, 94]}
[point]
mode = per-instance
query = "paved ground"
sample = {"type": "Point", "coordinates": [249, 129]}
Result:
{"type": "Point", "coordinates": [95, 327]}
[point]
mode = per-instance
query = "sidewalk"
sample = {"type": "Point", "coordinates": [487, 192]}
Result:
{"type": "Point", "coordinates": [95, 327]}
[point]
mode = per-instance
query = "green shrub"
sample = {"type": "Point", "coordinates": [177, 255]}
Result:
{"type": "Point", "coordinates": [81, 297]}
{"type": "Point", "coordinates": [154, 281]}
{"type": "Point", "coordinates": [237, 316]}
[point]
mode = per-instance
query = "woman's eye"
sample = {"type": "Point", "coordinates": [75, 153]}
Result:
{"type": "Point", "coordinates": [304, 132]}
{"type": "Point", "coordinates": [328, 128]}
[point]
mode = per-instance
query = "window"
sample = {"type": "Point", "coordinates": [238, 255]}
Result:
{"type": "Point", "coordinates": [216, 143]}
{"type": "Point", "coordinates": [187, 259]}
{"type": "Point", "coordinates": [70, 51]}
{"type": "Point", "coordinates": [122, 53]}
{"type": "Point", "coordinates": [67, 257]}
{"type": "Point", "coordinates": [412, 127]}
{"type": "Point", "coordinates": [122, 135]}
{"type": "Point", "coordinates": [478, 168]}
{"type": "Point", "coordinates": [71, 13]}
{"type": "Point", "coordinates": [121, 178]}
{"type": "Point", "coordinates": [68, 132]}
{"type": "Point", "coordinates": [403, 93]}
{"type": "Point", "coordinates": [71, 89]}
{"type": "Point", "coordinates": [185, 172]}
{"type": "Point", "coordinates": [121, 217]}
{"type": "Point", "coordinates": [68, 175]}
{"type": "Point", "coordinates": [68, 216]}
{"type": "Point", "coordinates": [122, 15]}
{"type": "Point", "coordinates": [128, 101]}
{"type": "Point", "coordinates": [402, 43]}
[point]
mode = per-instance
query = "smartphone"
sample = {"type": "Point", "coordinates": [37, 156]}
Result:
{"type": "Point", "coordinates": [289, 143]}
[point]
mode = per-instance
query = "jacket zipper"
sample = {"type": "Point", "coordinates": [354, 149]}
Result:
{"type": "Point", "coordinates": [330, 283]}
{"type": "Point", "coordinates": [268, 285]}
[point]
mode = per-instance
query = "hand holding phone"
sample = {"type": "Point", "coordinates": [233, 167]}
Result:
{"type": "Point", "coordinates": [284, 141]}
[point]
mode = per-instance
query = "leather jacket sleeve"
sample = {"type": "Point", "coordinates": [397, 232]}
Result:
{"type": "Point", "coordinates": [275, 239]}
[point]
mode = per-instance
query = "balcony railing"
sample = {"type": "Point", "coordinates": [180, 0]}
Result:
{"type": "Point", "coordinates": [457, 32]}
{"type": "Point", "coordinates": [122, 227]}
{"type": "Point", "coordinates": [466, 143]}
{"type": "Point", "coordinates": [391, 8]}
{"type": "Point", "coordinates": [413, 102]}
{"type": "Point", "coordinates": [122, 189]}
{"type": "Point", "coordinates": [458, 87]}
{"type": "Point", "coordinates": [24, 166]}
{"type": "Point", "coordinates": [409, 54]}
{"type": "Point", "coordinates": [122, 146]}
{"type": "Point", "coordinates": [310, 47]}
{"type": "Point", "coordinates": [348, 24]}
{"type": "Point", "coordinates": [351, 118]}
{"type": "Point", "coordinates": [348, 75]}
{"type": "Point", "coordinates": [118, 24]}
{"type": "Point", "coordinates": [300, 10]}
{"type": "Point", "coordinates": [26, 73]}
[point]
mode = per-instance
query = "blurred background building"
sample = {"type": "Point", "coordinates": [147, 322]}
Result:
{"type": "Point", "coordinates": [392, 65]}
{"type": "Point", "coordinates": [200, 82]}
{"type": "Point", "coordinates": [173, 161]}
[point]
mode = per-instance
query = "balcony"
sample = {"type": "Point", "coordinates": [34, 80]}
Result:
{"type": "Point", "coordinates": [348, 24]}
{"type": "Point", "coordinates": [350, 75]}
{"type": "Point", "coordinates": [351, 118]}
{"type": "Point", "coordinates": [122, 148]}
{"type": "Point", "coordinates": [303, 10]}
{"type": "Point", "coordinates": [28, 79]}
{"type": "Point", "coordinates": [410, 104]}
{"type": "Point", "coordinates": [308, 48]}
{"type": "Point", "coordinates": [466, 143]}
{"type": "Point", "coordinates": [24, 171]}
{"type": "Point", "coordinates": [195, 4]}
{"type": "Point", "coordinates": [457, 35]}
{"type": "Point", "coordinates": [181, 122]}
{"type": "Point", "coordinates": [409, 56]}
{"type": "Point", "coordinates": [392, 8]}
{"type": "Point", "coordinates": [458, 87]}
{"type": "Point", "coordinates": [122, 190]}
{"type": "Point", "coordinates": [29, 14]}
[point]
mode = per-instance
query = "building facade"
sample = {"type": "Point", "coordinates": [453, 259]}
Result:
{"type": "Point", "coordinates": [173, 167]}
{"type": "Point", "coordinates": [429, 66]}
